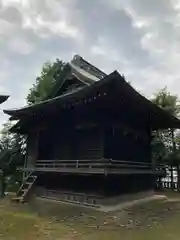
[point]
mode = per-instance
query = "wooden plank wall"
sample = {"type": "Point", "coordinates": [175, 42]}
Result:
{"type": "Point", "coordinates": [89, 143]}
{"type": "Point", "coordinates": [78, 143]}
{"type": "Point", "coordinates": [32, 145]}
{"type": "Point", "coordinates": [125, 144]}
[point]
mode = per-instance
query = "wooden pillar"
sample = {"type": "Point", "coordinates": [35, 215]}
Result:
{"type": "Point", "coordinates": [102, 139]}
{"type": "Point", "coordinates": [73, 143]}
{"type": "Point", "coordinates": [108, 142]}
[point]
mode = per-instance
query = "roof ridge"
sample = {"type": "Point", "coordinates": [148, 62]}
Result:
{"type": "Point", "coordinates": [81, 62]}
{"type": "Point", "coordinates": [83, 69]}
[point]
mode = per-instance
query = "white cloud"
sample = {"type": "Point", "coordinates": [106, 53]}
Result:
{"type": "Point", "coordinates": [48, 17]}
{"type": "Point", "coordinates": [98, 50]}
{"type": "Point", "coordinates": [139, 38]}
{"type": "Point", "coordinates": [10, 2]}
{"type": "Point", "coordinates": [45, 28]}
{"type": "Point", "coordinates": [58, 27]}
{"type": "Point", "coordinates": [19, 45]}
{"type": "Point", "coordinates": [103, 49]}
{"type": "Point", "coordinates": [7, 28]}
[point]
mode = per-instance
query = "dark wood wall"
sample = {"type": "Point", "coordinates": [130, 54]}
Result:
{"type": "Point", "coordinates": [71, 143]}
{"type": "Point", "coordinates": [94, 142]}
{"type": "Point", "coordinates": [32, 149]}
{"type": "Point", "coordinates": [127, 144]}
{"type": "Point", "coordinates": [95, 133]}
{"type": "Point", "coordinates": [89, 143]}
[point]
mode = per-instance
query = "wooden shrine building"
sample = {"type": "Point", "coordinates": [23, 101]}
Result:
{"type": "Point", "coordinates": [91, 139]}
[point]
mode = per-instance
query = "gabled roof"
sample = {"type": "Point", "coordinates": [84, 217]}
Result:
{"type": "Point", "coordinates": [112, 87]}
{"type": "Point", "coordinates": [79, 68]}
{"type": "Point", "coordinates": [86, 70]}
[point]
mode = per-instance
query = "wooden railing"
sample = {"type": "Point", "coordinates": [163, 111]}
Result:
{"type": "Point", "coordinates": [98, 164]}
{"type": "Point", "coordinates": [164, 184]}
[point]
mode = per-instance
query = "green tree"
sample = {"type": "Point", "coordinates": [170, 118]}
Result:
{"type": "Point", "coordinates": [51, 74]}
{"type": "Point", "coordinates": [159, 150]}
{"type": "Point", "coordinates": [169, 103]}
{"type": "Point", "coordinates": [11, 155]}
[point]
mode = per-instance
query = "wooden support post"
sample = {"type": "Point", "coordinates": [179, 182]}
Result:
{"type": "Point", "coordinates": [77, 164]}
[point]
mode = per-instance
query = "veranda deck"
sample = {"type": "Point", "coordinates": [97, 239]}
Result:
{"type": "Point", "coordinates": [94, 166]}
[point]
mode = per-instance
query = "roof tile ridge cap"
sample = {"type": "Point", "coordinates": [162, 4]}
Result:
{"type": "Point", "coordinates": [91, 65]}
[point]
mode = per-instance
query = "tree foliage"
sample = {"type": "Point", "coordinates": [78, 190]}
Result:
{"type": "Point", "coordinates": [166, 143]}
{"type": "Point", "coordinates": [167, 101]}
{"type": "Point", "coordinates": [50, 74]}
{"type": "Point", "coordinates": [11, 154]}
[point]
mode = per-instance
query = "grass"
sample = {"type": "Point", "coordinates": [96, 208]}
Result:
{"type": "Point", "coordinates": [159, 219]}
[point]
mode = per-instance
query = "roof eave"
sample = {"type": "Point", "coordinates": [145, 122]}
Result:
{"type": "Point", "coordinates": [3, 98]}
{"type": "Point", "coordinates": [15, 113]}
{"type": "Point", "coordinates": [169, 120]}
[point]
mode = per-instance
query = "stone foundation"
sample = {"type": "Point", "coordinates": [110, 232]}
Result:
{"type": "Point", "coordinates": [93, 200]}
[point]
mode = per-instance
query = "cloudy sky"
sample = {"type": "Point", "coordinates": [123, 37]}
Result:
{"type": "Point", "coordinates": [139, 38]}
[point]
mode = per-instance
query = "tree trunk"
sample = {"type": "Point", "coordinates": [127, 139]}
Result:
{"type": "Point", "coordinates": [3, 185]}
